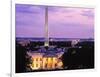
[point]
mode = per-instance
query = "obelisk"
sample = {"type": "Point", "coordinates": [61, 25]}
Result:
{"type": "Point", "coordinates": [46, 43]}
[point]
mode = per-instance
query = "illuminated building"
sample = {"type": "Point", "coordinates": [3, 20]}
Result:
{"type": "Point", "coordinates": [42, 61]}
{"type": "Point", "coordinates": [48, 60]}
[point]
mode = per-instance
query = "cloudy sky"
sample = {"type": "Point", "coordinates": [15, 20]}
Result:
{"type": "Point", "coordinates": [63, 22]}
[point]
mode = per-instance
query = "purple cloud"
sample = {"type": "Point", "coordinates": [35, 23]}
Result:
{"type": "Point", "coordinates": [89, 13]}
{"type": "Point", "coordinates": [63, 22]}
{"type": "Point", "coordinates": [28, 20]}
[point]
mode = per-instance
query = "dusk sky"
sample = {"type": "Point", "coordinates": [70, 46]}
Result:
{"type": "Point", "coordinates": [63, 22]}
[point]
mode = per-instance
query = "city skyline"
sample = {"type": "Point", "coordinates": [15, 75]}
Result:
{"type": "Point", "coordinates": [63, 22]}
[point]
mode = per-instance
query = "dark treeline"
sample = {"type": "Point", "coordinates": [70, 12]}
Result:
{"type": "Point", "coordinates": [79, 58]}
{"type": "Point", "coordinates": [21, 58]}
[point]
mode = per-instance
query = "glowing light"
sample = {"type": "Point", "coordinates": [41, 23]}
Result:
{"type": "Point", "coordinates": [40, 62]}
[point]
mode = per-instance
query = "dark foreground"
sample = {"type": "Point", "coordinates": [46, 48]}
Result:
{"type": "Point", "coordinates": [79, 56]}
